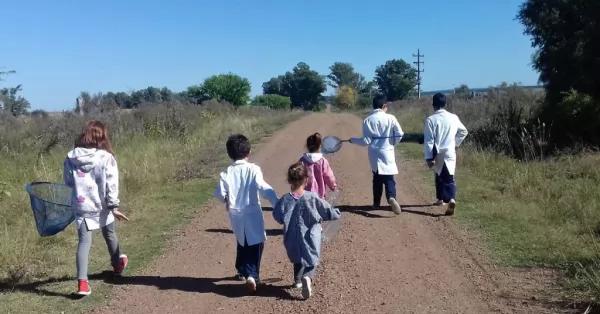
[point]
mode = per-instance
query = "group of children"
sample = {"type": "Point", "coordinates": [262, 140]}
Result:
{"type": "Point", "coordinates": [90, 169]}
{"type": "Point", "coordinates": [301, 211]}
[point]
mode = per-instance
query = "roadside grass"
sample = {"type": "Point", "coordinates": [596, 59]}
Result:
{"type": "Point", "coordinates": [529, 214]}
{"type": "Point", "coordinates": [167, 174]}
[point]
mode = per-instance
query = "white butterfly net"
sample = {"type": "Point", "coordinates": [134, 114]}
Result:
{"type": "Point", "coordinates": [330, 145]}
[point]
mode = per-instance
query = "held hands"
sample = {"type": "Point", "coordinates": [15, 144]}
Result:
{"type": "Point", "coordinates": [119, 215]}
{"type": "Point", "coordinates": [430, 163]}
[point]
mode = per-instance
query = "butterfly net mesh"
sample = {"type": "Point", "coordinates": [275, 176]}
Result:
{"type": "Point", "coordinates": [332, 227]}
{"type": "Point", "coordinates": [51, 206]}
{"type": "Point", "coordinates": [331, 144]}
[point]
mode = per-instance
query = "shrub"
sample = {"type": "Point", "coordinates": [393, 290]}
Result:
{"type": "Point", "coordinates": [272, 101]}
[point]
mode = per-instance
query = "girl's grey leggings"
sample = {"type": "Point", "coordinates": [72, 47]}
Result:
{"type": "Point", "coordinates": [85, 243]}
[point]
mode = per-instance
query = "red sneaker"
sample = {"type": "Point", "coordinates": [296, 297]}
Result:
{"type": "Point", "coordinates": [118, 270]}
{"type": "Point", "coordinates": [83, 288]}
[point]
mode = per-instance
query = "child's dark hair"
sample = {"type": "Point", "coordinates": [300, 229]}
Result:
{"type": "Point", "coordinates": [379, 101]}
{"type": "Point", "coordinates": [313, 143]}
{"type": "Point", "coordinates": [238, 147]}
{"type": "Point", "coordinates": [297, 174]}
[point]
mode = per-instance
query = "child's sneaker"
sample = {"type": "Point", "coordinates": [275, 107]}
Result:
{"type": "Point", "coordinates": [251, 284]}
{"type": "Point", "coordinates": [240, 277]}
{"type": "Point", "coordinates": [83, 288]}
{"type": "Point", "coordinates": [118, 269]}
{"type": "Point", "coordinates": [438, 203]}
{"type": "Point", "coordinates": [306, 288]}
{"type": "Point", "coordinates": [395, 206]}
{"type": "Point", "coordinates": [297, 285]}
{"type": "Point", "coordinates": [451, 208]}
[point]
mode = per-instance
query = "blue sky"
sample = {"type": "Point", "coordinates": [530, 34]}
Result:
{"type": "Point", "coordinates": [62, 47]}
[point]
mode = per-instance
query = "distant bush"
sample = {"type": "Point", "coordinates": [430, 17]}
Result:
{"type": "Point", "coordinates": [272, 101]}
{"type": "Point", "coordinates": [345, 97]}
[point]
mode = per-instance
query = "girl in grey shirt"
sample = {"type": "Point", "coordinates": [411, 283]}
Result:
{"type": "Point", "coordinates": [301, 213]}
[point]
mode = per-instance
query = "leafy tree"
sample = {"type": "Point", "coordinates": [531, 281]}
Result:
{"type": "Point", "coordinates": [14, 103]}
{"type": "Point", "coordinates": [345, 97]}
{"type": "Point", "coordinates": [303, 85]}
{"type": "Point", "coordinates": [395, 79]}
{"type": "Point", "coordinates": [223, 87]}
{"type": "Point", "coordinates": [463, 91]}
{"type": "Point", "coordinates": [364, 102]}
{"type": "Point", "coordinates": [166, 94]}
{"type": "Point", "coordinates": [39, 113]}
{"type": "Point", "coordinates": [566, 36]}
{"type": "Point", "coordinates": [272, 101]}
{"type": "Point", "coordinates": [274, 86]}
{"type": "Point", "coordinates": [343, 74]}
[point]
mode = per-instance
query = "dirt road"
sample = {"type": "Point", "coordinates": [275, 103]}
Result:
{"type": "Point", "coordinates": [378, 263]}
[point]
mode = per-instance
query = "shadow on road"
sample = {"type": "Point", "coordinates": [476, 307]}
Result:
{"type": "Point", "coordinates": [270, 232]}
{"type": "Point", "coordinates": [226, 286]}
{"type": "Point", "coordinates": [405, 209]}
{"type": "Point", "coordinates": [362, 210]}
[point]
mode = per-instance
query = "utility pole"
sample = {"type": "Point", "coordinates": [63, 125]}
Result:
{"type": "Point", "coordinates": [419, 70]}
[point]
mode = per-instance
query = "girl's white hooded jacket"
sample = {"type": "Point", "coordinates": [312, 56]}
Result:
{"type": "Point", "coordinates": [94, 177]}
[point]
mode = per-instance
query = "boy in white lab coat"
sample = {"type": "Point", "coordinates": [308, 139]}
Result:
{"type": "Point", "coordinates": [239, 188]}
{"type": "Point", "coordinates": [443, 132]}
{"type": "Point", "coordinates": [382, 156]}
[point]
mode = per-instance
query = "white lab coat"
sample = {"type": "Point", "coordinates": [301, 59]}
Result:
{"type": "Point", "coordinates": [382, 156]}
{"type": "Point", "coordinates": [443, 132]}
{"type": "Point", "coordinates": [239, 188]}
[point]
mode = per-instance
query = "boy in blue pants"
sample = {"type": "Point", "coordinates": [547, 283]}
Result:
{"type": "Point", "coordinates": [239, 188]}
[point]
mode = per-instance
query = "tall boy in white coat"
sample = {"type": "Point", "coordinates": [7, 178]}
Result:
{"type": "Point", "coordinates": [382, 156]}
{"type": "Point", "coordinates": [443, 132]}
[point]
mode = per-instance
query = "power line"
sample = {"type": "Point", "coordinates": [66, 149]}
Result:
{"type": "Point", "coordinates": [419, 70]}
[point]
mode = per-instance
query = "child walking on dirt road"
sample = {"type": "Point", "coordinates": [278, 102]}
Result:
{"type": "Point", "coordinates": [382, 156]}
{"type": "Point", "coordinates": [320, 175]}
{"type": "Point", "coordinates": [301, 213]}
{"type": "Point", "coordinates": [239, 188]}
{"type": "Point", "coordinates": [443, 133]}
{"type": "Point", "coordinates": [90, 169]}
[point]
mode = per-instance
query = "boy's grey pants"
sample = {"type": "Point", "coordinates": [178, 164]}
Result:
{"type": "Point", "coordinates": [301, 271]}
{"type": "Point", "coordinates": [85, 243]}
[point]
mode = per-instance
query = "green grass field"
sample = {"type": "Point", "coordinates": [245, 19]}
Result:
{"type": "Point", "coordinates": [529, 214]}
{"type": "Point", "coordinates": [165, 181]}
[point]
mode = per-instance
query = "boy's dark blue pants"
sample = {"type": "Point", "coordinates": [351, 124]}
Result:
{"type": "Point", "coordinates": [248, 257]}
{"type": "Point", "coordinates": [445, 188]}
{"type": "Point", "coordinates": [381, 181]}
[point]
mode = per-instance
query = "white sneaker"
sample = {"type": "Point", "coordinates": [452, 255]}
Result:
{"type": "Point", "coordinates": [306, 288]}
{"type": "Point", "coordinates": [438, 203]}
{"type": "Point", "coordinates": [451, 208]}
{"type": "Point", "coordinates": [251, 284]}
{"type": "Point", "coordinates": [395, 206]}
{"type": "Point", "coordinates": [297, 285]}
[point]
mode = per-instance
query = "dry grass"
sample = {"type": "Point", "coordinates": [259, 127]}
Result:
{"type": "Point", "coordinates": [167, 158]}
{"type": "Point", "coordinates": [531, 209]}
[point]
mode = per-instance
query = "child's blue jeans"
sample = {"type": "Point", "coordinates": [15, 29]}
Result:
{"type": "Point", "coordinates": [248, 259]}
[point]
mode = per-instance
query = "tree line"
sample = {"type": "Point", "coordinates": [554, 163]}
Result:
{"type": "Point", "coordinates": [302, 88]}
